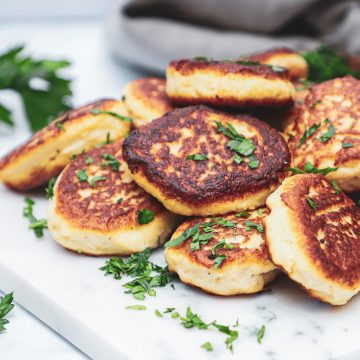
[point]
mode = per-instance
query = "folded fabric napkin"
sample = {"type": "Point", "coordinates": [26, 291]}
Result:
{"type": "Point", "coordinates": [149, 33]}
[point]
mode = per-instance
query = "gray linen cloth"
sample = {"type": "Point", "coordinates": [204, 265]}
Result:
{"type": "Point", "coordinates": [150, 33]}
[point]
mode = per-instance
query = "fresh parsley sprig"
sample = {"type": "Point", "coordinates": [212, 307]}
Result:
{"type": "Point", "coordinates": [311, 169]}
{"type": "Point", "coordinates": [111, 113]}
{"type": "Point", "coordinates": [6, 305]}
{"type": "Point", "coordinates": [44, 93]}
{"type": "Point", "coordinates": [37, 225]}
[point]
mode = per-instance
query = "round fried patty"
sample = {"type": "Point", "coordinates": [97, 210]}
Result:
{"type": "Point", "coordinates": [313, 234]}
{"type": "Point", "coordinates": [198, 161]}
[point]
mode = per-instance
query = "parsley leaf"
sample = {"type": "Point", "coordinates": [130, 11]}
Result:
{"type": "Point", "coordinates": [136, 307]}
{"type": "Point", "coordinates": [60, 125]}
{"type": "Point", "coordinates": [243, 214]}
{"type": "Point", "coordinates": [328, 135]}
{"type": "Point", "coordinates": [193, 320]}
{"type": "Point", "coordinates": [197, 157]}
{"type": "Point", "coordinates": [336, 187]}
{"type": "Point", "coordinates": [145, 216]}
{"type": "Point", "coordinates": [88, 160]}
{"type": "Point", "coordinates": [347, 145]}
{"type": "Point", "coordinates": [158, 313]}
{"type": "Point", "coordinates": [82, 175]}
{"type": "Point", "coordinates": [311, 202]}
{"type": "Point", "coordinates": [36, 225]}
{"type": "Point", "coordinates": [249, 224]}
{"type": "Point", "coordinates": [232, 335]}
{"type": "Point", "coordinates": [43, 92]}
{"type": "Point", "coordinates": [114, 114]}
{"type": "Point", "coordinates": [218, 261]}
{"type": "Point", "coordinates": [311, 169]}
{"type": "Point", "coordinates": [50, 188]}
{"type": "Point", "coordinates": [183, 237]}
{"type": "Point", "coordinates": [96, 179]}
{"type": "Point", "coordinates": [308, 133]}
{"type": "Point", "coordinates": [110, 160]}
{"type": "Point", "coordinates": [207, 346]}
{"type": "Point", "coordinates": [6, 306]}
{"type": "Point", "coordinates": [253, 163]}
{"type": "Point", "coordinates": [260, 334]}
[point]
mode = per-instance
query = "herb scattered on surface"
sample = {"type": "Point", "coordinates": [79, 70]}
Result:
{"type": "Point", "coordinates": [325, 64]}
{"type": "Point", "coordinates": [243, 214]}
{"type": "Point", "coordinates": [311, 169]}
{"type": "Point", "coordinates": [37, 225]}
{"type": "Point", "coordinates": [88, 160]}
{"type": "Point", "coordinates": [308, 133]}
{"type": "Point", "coordinates": [312, 106]}
{"type": "Point", "coordinates": [145, 216]}
{"type": "Point", "coordinates": [336, 187]}
{"type": "Point", "coordinates": [252, 225]}
{"type": "Point", "coordinates": [110, 160]}
{"type": "Point", "coordinates": [60, 125]}
{"type": "Point", "coordinates": [218, 261]}
{"type": "Point", "coordinates": [106, 142]}
{"type": "Point", "coordinates": [50, 188]}
{"type": "Point", "coordinates": [96, 179]}
{"type": "Point", "coordinates": [311, 202]}
{"type": "Point", "coordinates": [347, 145]}
{"type": "Point", "coordinates": [197, 157]}
{"type": "Point", "coordinates": [328, 135]}
{"type": "Point", "coordinates": [43, 92]}
{"type": "Point", "coordinates": [136, 307]}
{"type": "Point", "coordinates": [260, 334]}
{"type": "Point", "coordinates": [158, 313]}
{"type": "Point", "coordinates": [147, 275]}
{"type": "Point", "coordinates": [82, 175]}
{"type": "Point", "coordinates": [6, 305]}
{"type": "Point", "coordinates": [207, 346]}
{"type": "Point", "coordinates": [111, 113]}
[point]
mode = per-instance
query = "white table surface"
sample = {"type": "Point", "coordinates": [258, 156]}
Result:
{"type": "Point", "coordinates": [95, 74]}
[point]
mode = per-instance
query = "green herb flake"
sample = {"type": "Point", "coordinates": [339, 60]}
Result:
{"type": "Point", "coordinates": [260, 334]}
{"type": "Point", "coordinates": [218, 261]}
{"type": "Point", "coordinates": [145, 216]}
{"type": "Point", "coordinates": [82, 175]}
{"type": "Point", "coordinates": [313, 105]}
{"type": "Point", "coordinates": [232, 334]}
{"type": "Point", "coordinates": [50, 188]}
{"type": "Point", "coordinates": [169, 310]}
{"type": "Point", "coordinates": [311, 169]}
{"type": "Point", "coordinates": [88, 160]}
{"type": "Point", "coordinates": [119, 200]}
{"type": "Point", "coordinates": [110, 160]}
{"type": "Point", "coordinates": [183, 237]}
{"type": "Point", "coordinates": [197, 157]}
{"type": "Point", "coordinates": [328, 135]}
{"type": "Point", "coordinates": [111, 113]}
{"type": "Point", "coordinates": [253, 225]}
{"type": "Point", "coordinates": [237, 159]}
{"type": "Point", "coordinates": [243, 214]}
{"type": "Point", "coordinates": [96, 179]}
{"type": "Point", "coordinates": [311, 202]}
{"type": "Point", "coordinates": [136, 307]}
{"type": "Point", "coordinates": [158, 313]}
{"type": "Point", "coordinates": [336, 187]}
{"type": "Point", "coordinates": [253, 163]}
{"type": "Point", "coordinates": [308, 133]}
{"type": "Point", "coordinates": [6, 305]}
{"type": "Point", "coordinates": [347, 145]}
{"type": "Point", "coordinates": [207, 346]}
{"type": "Point", "coordinates": [37, 225]}
{"type": "Point", "coordinates": [60, 125]}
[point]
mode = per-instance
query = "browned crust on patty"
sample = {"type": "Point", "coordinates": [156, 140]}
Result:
{"type": "Point", "coordinates": [240, 254]}
{"type": "Point", "coordinates": [331, 238]}
{"type": "Point", "coordinates": [218, 179]}
{"type": "Point", "coordinates": [188, 66]}
{"type": "Point", "coordinates": [339, 101]}
{"type": "Point", "coordinates": [100, 210]}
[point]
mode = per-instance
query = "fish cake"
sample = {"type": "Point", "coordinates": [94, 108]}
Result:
{"type": "Point", "coordinates": [146, 100]}
{"type": "Point", "coordinates": [224, 256]}
{"type": "Point", "coordinates": [97, 209]}
{"type": "Point", "coordinates": [326, 131]}
{"type": "Point", "coordinates": [227, 83]}
{"type": "Point", "coordinates": [313, 234]}
{"type": "Point", "coordinates": [198, 161]}
{"type": "Point", "coordinates": [286, 58]}
{"type": "Point", "coordinates": [48, 151]}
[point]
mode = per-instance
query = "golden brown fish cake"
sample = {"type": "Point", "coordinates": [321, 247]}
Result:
{"type": "Point", "coordinates": [227, 83]}
{"type": "Point", "coordinates": [233, 261]}
{"type": "Point", "coordinates": [313, 234]}
{"type": "Point", "coordinates": [286, 58]}
{"type": "Point", "coordinates": [48, 151]}
{"type": "Point", "coordinates": [161, 158]}
{"type": "Point", "coordinates": [146, 100]}
{"type": "Point", "coordinates": [96, 204]}
{"type": "Point", "coordinates": [331, 113]}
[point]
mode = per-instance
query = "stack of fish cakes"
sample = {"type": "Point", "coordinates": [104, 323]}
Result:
{"type": "Point", "coordinates": [228, 173]}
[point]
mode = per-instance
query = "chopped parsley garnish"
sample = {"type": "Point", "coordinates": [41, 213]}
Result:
{"type": "Point", "coordinates": [243, 214]}
{"type": "Point", "coordinates": [260, 334]}
{"type": "Point", "coordinates": [110, 160]}
{"type": "Point", "coordinates": [119, 200]}
{"type": "Point", "coordinates": [202, 58]}
{"type": "Point", "coordinates": [184, 236]}
{"type": "Point", "coordinates": [248, 63]}
{"type": "Point", "coordinates": [218, 261]}
{"type": "Point", "coordinates": [238, 144]}
{"type": "Point", "coordinates": [36, 225]}
{"type": "Point", "coordinates": [232, 334]}
{"type": "Point", "coordinates": [111, 113]}
{"type": "Point", "coordinates": [311, 169]}
{"type": "Point", "coordinates": [88, 160]}
{"type": "Point", "coordinates": [328, 135]}
{"type": "Point", "coordinates": [145, 216]}
{"type": "Point", "coordinates": [219, 245]}
{"type": "Point", "coordinates": [136, 307]}
{"type": "Point", "coordinates": [312, 106]}
{"type": "Point", "coordinates": [96, 179]}
{"type": "Point", "coordinates": [207, 346]}
{"type": "Point", "coordinates": [199, 240]}
{"type": "Point", "coordinates": [191, 320]}
{"type": "Point", "coordinates": [158, 313]}
{"type": "Point", "coordinates": [60, 125]}
{"type": "Point", "coordinates": [106, 142]}
{"type": "Point", "coordinates": [308, 133]}
{"type": "Point", "coordinates": [197, 157]}
{"type": "Point", "coordinates": [82, 175]}
{"type": "Point", "coordinates": [146, 274]}
{"type": "Point", "coordinates": [50, 188]}
{"type": "Point", "coordinates": [169, 310]}
{"type": "Point", "coordinates": [336, 187]}
{"type": "Point", "coordinates": [260, 211]}
{"type": "Point", "coordinates": [311, 202]}
{"type": "Point", "coordinates": [347, 145]}
{"type": "Point", "coordinates": [252, 225]}
{"type": "Point", "coordinates": [6, 305]}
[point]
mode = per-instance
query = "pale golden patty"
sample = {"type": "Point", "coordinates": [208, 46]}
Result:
{"type": "Point", "coordinates": [227, 83]}
{"type": "Point", "coordinates": [198, 161]}
{"type": "Point", "coordinates": [313, 234]}
{"type": "Point", "coordinates": [98, 209]}
{"type": "Point", "coordinates": [48, 151]}
{"type": "Point", "coordinates": [224, 255]}
{"type": "Point", "coordinates": [286, 58]}
{"type": "Point", "coordinates": [146, 100]}
{"type": "Point", "coordinates": [326, 131]}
